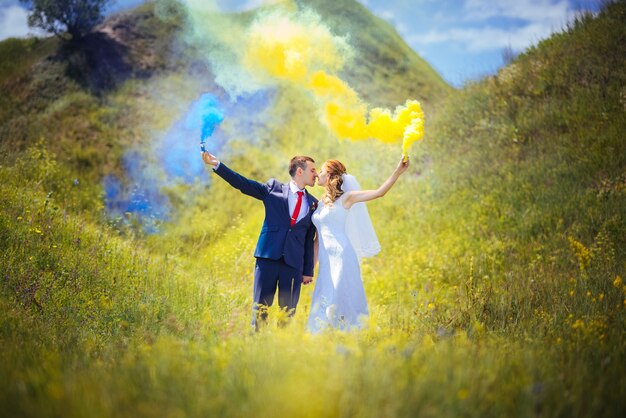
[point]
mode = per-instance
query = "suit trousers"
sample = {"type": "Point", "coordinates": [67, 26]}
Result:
{"type": "Point", "coordinates": [270, 275]}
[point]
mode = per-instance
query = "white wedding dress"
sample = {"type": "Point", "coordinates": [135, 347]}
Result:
{"type": "Point", "coordinates": [339, 297]}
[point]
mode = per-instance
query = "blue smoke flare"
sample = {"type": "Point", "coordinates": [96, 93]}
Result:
{"type": "Point", "coordinates": [205, 114]}
{"type": "Point", "coordinates": [174, 159]}
{"type": "Point", "coordinates": [178, 150]}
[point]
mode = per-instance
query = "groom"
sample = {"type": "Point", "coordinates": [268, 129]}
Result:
{"type": "Point", "coordinates": [284, 251]}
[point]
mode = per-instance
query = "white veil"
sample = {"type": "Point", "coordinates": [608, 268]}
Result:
{"type": "Point", "coordinates": [359, 226]}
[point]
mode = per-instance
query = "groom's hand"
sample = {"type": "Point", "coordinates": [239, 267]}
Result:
{"type": "Point", "coordinates": [307, 279]}
{"type": "Point", "coordinates": [210, 159]}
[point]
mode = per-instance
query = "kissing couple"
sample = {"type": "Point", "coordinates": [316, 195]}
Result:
{"type": "Point", "coordinates": [298, 232]}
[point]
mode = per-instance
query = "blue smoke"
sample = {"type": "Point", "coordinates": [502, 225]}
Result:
{"type": "Point", "coordinates": [139, 199]}
{"type": "Point", "coordinates": [172, 160]}
{"type": "Point", "coordinates": [179, 150]}
{"type": "Point", "coordinates": [204, 114]}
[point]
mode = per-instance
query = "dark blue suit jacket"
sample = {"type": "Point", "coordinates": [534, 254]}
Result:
{"type": "Point", "coordinates": [278, 238]}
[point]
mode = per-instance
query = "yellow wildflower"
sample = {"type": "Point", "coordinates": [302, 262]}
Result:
{"type": "Point", "coordinates": [617, 282]}
{"type": "Point", "coordinates": [583, 254]}
{"type": "Point", "coordinates": [463, 394]}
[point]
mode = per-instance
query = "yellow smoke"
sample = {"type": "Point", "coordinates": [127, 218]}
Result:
{"type": "Point", "coordinates": [297, 48]}
{"type": "Point", "coordinates": [291, 46]}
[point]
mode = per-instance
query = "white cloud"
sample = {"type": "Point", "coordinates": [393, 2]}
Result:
{"type": "Point", "coordinates": [387, 15]}
{"type": "Point", "coordinates": [402, 29]}
{"type": "Point", "coordinates": [542, 18]}
{"type": "Point", "coordinates": [530, 10]}
{"type": "Point", "coordinates": [390, 17]}
{"type": "Point", "coordinates": [486, 39]}
{"type": "Point", "coordinates": [13, 22]}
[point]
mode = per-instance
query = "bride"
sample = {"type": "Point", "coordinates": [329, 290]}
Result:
{"type": "Point", "coordinates": [344, 236]}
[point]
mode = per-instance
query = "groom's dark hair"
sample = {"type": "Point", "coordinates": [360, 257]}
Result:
{"type": "Point", "coordinates": [298, 161]}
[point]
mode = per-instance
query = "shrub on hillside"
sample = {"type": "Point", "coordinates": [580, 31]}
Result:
{"type": "Point", "coordinates": [74, 17]}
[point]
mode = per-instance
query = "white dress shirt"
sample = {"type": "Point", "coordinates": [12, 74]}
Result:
{"type": "Point", "coordinates": [293, 199]}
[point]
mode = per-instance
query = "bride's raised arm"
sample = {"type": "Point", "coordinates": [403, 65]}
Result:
{"type": "Point", "coordinates": [364, 195]}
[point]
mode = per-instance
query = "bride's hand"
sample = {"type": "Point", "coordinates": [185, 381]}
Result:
{"type": "Point", "coordinates": [402, 165]}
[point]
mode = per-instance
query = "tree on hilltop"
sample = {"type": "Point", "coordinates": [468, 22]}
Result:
{"type": "Point", "coordinates": [60, 17]}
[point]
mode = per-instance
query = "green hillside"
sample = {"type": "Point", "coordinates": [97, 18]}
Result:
{"type": "Point", "coordinates": [499, 290]}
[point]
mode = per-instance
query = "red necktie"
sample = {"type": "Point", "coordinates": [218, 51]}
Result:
{"type": "Point", "coordinates": [296, 211]}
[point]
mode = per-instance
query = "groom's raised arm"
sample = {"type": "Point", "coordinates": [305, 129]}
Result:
{"type": "Point", "coordinates": [244, 185]}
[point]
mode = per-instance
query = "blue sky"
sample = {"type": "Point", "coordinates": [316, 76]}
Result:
{"type": "Point", "coordinates": [462, 39]}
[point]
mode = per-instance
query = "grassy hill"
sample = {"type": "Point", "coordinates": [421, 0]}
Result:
{"type": "Point", "coordinates": [499, 290]}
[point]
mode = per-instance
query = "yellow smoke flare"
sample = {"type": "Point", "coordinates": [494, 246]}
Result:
{"type": "Point", "coordinates": [277, 58]}
{"type": "Point", "coordinates": [382, 126]}
{"type": "Point", "coordinates": [328, 86]}
{"type": "Point", "coordinates": [346, 122]}
{"type": "Point", "coordinates": [414, 130]}
{"type": "Point", "coordinates": [298, 48]}
{"type": "Point", "coordinates": [292, 46]}
{"type": "Point", "coordinates": [344, 111]}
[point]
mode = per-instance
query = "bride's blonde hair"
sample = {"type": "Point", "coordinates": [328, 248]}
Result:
{"type": "Point", "coordinates": [335, 170]}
